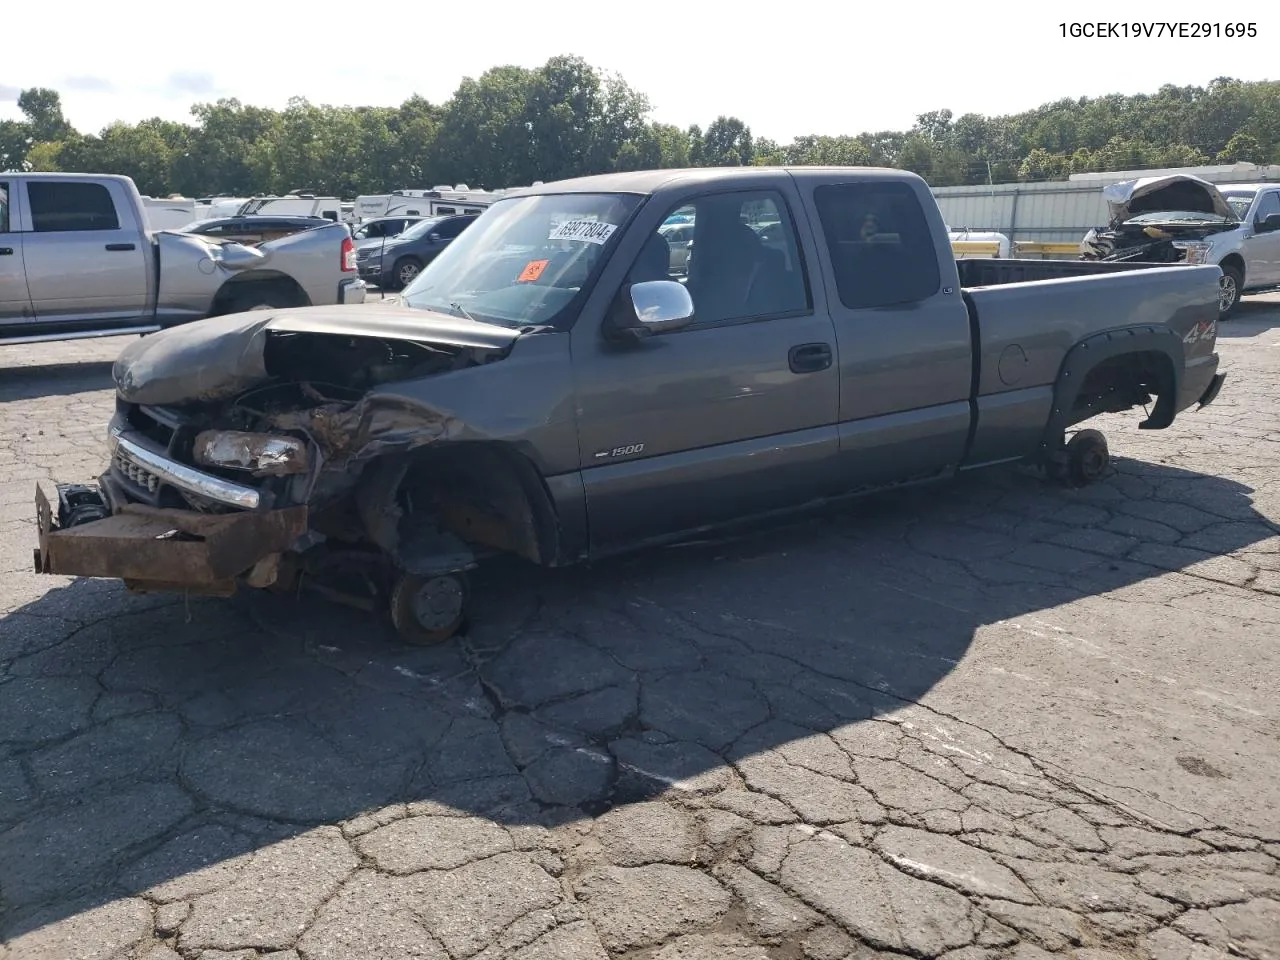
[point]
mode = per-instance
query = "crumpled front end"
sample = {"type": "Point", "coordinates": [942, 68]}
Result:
{"type": "Point", "coordinates": [196, 500]}
{"type": "Point", "coordinates": [243, 440]}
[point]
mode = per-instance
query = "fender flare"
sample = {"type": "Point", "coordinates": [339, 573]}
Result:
{"type": "Point", "coordinates": [1088, 353]}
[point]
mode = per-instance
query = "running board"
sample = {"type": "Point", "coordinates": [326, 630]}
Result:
{"type": "Point", "coordinates": [80, 335]}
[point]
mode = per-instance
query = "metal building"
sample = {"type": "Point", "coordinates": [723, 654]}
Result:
{"type": "Point", "coordinates": [1063, 211]}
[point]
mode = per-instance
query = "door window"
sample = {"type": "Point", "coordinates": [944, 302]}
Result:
{"type": "Point", "coordinates": [744, 259]}
{"type": "Point", "coordinates": [4, 207]}
{"type": "Point", "coordinates": [882, 250]}
{"type": "Point", "coordinates": [58, 206]}
{"type": "Point", "coordinates": [451, 228]}
{"type": "Point", "coordinates": [1268, 205]}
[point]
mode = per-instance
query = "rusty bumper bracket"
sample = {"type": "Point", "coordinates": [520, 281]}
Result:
{"type": "Point", "coordinates": [163, 549]}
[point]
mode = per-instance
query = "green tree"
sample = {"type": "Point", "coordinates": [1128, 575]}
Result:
{"type": "Point", "coordinates": [15, 142]}
{"type": "Point", "coordinates": [1241, 148]}
{"type": "Point", "coordinates": [43, 109]}
{"type": "Point", "coordinates": [1040, 164]}
{"type": "Point", "coordinates": [727, 143]}
{"type": "Point", "coordinates": [513, 125]}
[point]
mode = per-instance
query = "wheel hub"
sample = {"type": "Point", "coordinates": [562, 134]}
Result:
{"type": "Point", "coordinates": [1092, 462]}
{"type": "Point", "coordinates": [438, 602]}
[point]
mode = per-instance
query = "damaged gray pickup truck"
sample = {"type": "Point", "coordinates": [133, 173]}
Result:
{"type": "Point", "coordinates": [548, 389]}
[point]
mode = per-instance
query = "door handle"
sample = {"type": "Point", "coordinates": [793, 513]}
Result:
{"type": "Point", "coordinates": [114, 247]}
{"type": "Point", "coordinates": [809, 357]}
{"type": "Point", "coordinates": [6, 251]}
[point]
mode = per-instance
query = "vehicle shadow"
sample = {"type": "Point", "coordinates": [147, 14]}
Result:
{"type": "Point", "coordinates": [56, 379]}
{"type": "Point", "coordinates": [145, 738]}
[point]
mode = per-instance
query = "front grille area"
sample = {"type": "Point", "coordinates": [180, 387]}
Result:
{"type": "Point", "coordinates": [157, 425]}
{"type": "Point", "coordinates": [135, 474]}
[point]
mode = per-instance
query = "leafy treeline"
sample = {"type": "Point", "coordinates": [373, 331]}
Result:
{"type": "Point", "coordinates": [513, 125]}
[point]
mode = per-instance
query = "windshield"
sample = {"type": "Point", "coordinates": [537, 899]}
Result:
{"type": "Point", "coordinates": [525, 260]}
{"type": "Point", "coordinates": [419, 229]}
{"type": "Point", "coordinates": [1240, 200]}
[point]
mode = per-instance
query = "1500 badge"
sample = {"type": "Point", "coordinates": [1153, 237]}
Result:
{"type": "Point", "coordinates": [630, 450]}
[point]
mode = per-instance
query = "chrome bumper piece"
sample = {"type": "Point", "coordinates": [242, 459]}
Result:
{"type": "Point", "coordinates": [177, 475]}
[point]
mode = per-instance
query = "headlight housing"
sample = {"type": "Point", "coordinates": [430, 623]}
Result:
{"type": "Point", "coordinates": [1197, 251]}
{"type": "Point", "coordinates": [262, 454]}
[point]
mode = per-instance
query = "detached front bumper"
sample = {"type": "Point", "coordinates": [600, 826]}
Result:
{"type": "Point", "coordinates": [152, 548]}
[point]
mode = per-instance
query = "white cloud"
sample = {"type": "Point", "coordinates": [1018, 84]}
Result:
{"type": "Point", "coordinates": [87, 84]}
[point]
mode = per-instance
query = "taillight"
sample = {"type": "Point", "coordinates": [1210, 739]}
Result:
{"type": "Point", "coordinates": [348, 255]}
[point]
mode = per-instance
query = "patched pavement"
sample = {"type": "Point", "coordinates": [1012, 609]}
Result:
{"type": "Point", "coordinates": [993, 719]}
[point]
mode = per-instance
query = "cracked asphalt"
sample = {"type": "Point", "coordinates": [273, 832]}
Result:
{"type": "Point", "coordinates": [995, 719]}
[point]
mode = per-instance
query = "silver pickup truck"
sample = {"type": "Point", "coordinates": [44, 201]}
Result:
{"type": "Point", "coordinates": [549, 387]}
{"type": "Point", "coordinates": [1180, 218]}
{"type": "Point", "coordinates": [78, 259]}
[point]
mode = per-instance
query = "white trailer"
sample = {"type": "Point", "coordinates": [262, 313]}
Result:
{"type": "Point", "coordinates": [437, 202]}
{"type": "Point", "coordinates": [294, 205]}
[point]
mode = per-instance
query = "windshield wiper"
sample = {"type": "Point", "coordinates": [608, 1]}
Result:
{"type": "Point", "coordinates": [459, 308]}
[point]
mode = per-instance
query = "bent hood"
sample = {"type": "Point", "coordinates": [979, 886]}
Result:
{"type": "Point", "coordinates": [221, 357]}
{"type": "Point", "coordinates": [1172, 193]}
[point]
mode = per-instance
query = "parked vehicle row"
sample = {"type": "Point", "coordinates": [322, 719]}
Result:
{"type": "Point", "coordinates": [77, 259]}
{"type": "Point", "coordinates": [549, 387]}
{"type": "Point", "coordinates": [391, 262]}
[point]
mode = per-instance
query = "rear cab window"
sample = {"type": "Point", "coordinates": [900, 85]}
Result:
{"type": "Point", "coordinates": [882, 250]}
{"type": "Point", "coordinates": [61, 206]}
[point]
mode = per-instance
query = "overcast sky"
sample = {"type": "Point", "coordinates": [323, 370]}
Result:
{"type": "Point", "coordinates": [805, 66]}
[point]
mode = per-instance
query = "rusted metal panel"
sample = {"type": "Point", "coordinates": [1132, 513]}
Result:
{"type": "Point", "coordinates": [177, 548]}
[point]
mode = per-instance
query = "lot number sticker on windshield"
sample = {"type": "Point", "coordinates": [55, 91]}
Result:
{"type": "Point", "coordinates": [532, 271]}
{"type": "Point", "coordinates": [588, 231]}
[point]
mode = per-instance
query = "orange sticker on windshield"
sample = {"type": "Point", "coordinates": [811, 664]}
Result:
{"type": "Point", "coordinates": [532, 271]}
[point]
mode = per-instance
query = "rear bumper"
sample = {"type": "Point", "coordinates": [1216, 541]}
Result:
{"type": "Point", "coordinates": [160, 549]}
{"type": "Point", "coordinates": [1201, 382]}
{"type": "Point", "coordinates": [352, 291]}
{"type": "Point", "coordinates": [1211, 392]}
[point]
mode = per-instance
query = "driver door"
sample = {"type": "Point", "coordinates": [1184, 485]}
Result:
{"type": "Point", "coordinates": [1262, 268]}
{"type": "Point", "coordinates": [731, 416]}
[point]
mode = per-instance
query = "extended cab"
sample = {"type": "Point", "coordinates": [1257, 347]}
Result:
{"type": "Point", "coordinates": [547, 388]}
{"type": "Point", "coordinates": [1182, 218]}
{"type": "Point", "coordinates": [78, 259]}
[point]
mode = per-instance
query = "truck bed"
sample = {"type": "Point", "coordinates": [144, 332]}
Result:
{"type": "Point", "coordinates": [984, 272]}
{"type": "Point", "coordinates": [1025, 315]}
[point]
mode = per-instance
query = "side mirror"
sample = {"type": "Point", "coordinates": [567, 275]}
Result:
{"type": "Point", "coordinates": [433, 237]}
{"type": "Point", "coordinates": [653, 307]}
{"type": "Point", "coordinates": [1268, 225]}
